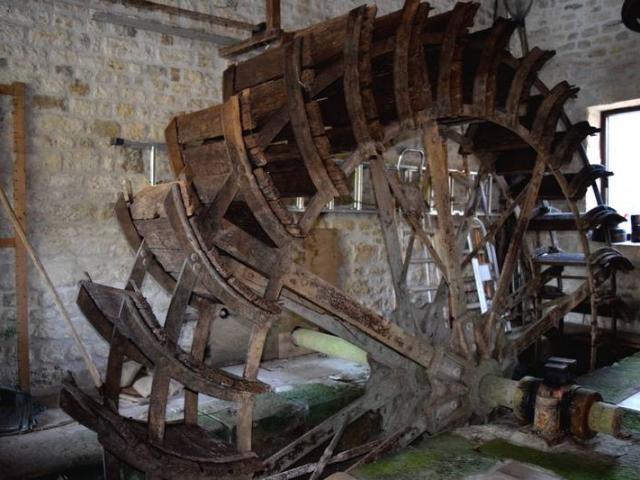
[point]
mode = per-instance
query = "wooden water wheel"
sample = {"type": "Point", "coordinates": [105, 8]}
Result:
{"type": "Point", "coordinates": [296, 121]}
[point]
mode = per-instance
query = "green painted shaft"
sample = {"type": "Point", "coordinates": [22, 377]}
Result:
{"type": "Point", "coordinates": [499, 391]}
{"type": "Point", "coordinates": [329, 345]}
{"type": "Point", "coordinates": [605, 418]}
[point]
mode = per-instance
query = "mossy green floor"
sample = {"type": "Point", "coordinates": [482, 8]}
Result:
{"type": "Point", "coordinates": [452, 457]}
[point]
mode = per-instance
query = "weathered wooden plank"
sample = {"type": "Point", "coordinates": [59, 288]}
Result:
{"type": "Point", "coordinates": [351, 80]}
{"type": "Point", "coordinates": [244, 422]}
{"type": "Point", "coordinates": [389, 226]}
{"type": "Point", "coordinates": [191, 14]}
{"type": "Point", "coordinates": [20, 208]}
{"type": "Point", "coordinates": [419, 85]}
{"type": "Point", "coordinates": [198, 350]}
{"type": "Point", "coordinates": [200, 125]}
{"type": "Point", "coordinates": [436, 153]}
{"type": "Point", "coordinates": [160, 27]}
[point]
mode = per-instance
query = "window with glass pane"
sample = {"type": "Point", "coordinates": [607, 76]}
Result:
{"type": "Point", "coordinates": [622, 157]}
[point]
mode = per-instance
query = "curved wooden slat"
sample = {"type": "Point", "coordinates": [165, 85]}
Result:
{"type": "Point", "coordinates": [564, 151]}
{"type": "Point", "coordinates": [351, 80]}
{"type": "Point", "coordinates": [217, 280]}
{"type": "Point", "coordinates": [449, 94]}
{"type": "Point", "coordinates": [404, 35]}
{"type": "Point", "coordinates": [101, 306]}
{"type": "Point", "coordinates": [140, 327]}
{"type": "Point", "coordinates": [173, 147]}
{"type": "Point", "coordinates": [484, 85]}
{"type": "Point", "coordinates": [132, 236]}
{"type": "Point", "coordinates": [188, 452]}
{"type": "Point", "coordinates": [419, 84]}
{"type": "Point", "coordinates": [300, 121]}
{"type": "Point", "coordinates": [524, 78]}
{"type": "Point", "coordinates": [254, 197]}
{"type": "Point", "coordinates": [548, 114]}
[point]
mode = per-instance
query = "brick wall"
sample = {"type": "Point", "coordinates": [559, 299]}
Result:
{"type": "Point", "coordinates": [87, 82]}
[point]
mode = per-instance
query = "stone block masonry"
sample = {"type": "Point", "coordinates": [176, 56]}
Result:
{"type": "Point", "coordinates": [89, 81]}
{"type": "Point", "coordinates": [593, 50]}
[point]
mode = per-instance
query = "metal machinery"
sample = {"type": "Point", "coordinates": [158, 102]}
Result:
{"type": "Point", "coordinates": [297, 121]}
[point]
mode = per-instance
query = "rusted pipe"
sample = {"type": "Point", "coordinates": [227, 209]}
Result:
{"type": "Point", "coordinates": [597, 416]}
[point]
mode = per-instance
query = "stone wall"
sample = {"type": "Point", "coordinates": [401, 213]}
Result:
{"type": "Point", "coordinates": [88, 82]}
{"type": "Point", "coordinates": [594, 49]}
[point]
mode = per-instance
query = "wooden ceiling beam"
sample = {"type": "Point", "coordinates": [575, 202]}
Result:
{"type": "Point", "coordinates": [193, 15]}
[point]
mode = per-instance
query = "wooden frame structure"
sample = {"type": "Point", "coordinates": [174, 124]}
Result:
{"type": "Point", "coordinates": [297, 120]}
{"type": "Point", "coordinates": [18, 93]}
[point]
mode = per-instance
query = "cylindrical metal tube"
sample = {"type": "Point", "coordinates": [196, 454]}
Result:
{"type": "Point", "coordinates": [498, 391]}
{"type": "Point", "coordinates": [605, 418]}
{"type": "Point", "coordinates": [329, 345]}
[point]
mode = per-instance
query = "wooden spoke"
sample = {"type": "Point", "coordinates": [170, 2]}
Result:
{"type": "Point", "coordinates": [438, 166]}
{"type": "Point", "coordinates": [172, 327]}
{"type": "Point", "coordinates": [388, 224]}
{"type": "Point", "coordinates": [198, 348]}
{"type": "Point", "coordinates": [509, 264]}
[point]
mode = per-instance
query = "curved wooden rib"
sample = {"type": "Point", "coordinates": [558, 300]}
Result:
{"type": "Point", "coordinates": [524, 78]}
{"type": "Point", "coordinates": [300, 122]}
{"type": "Point", "coordinates": [101, 306]}
{"type": "Point", "coordinates": [134, 240]}
{"type": "Point", "coordinates": [140, 327]}
{"type": "Point", "coordinates": [419, 84]}
{"type": "Point", "coordinates": [217, 280]}
{"type": "Point", "coordinates": [352, 81]}
{"type": "Point", "coordinates": [484, 85]}
{"type": "Point", "coordinates": [548, 114]}
{"type": "Point", "coordinates": [188, 452]}
{"type": "Point", "coordinates": [232, 126]}
{"type": "Point", "coordinates": [563, 152]}
{"type": "Point", "coordinates": [449, 95]}
{"type": "Point", "coordinates": [404, 34]}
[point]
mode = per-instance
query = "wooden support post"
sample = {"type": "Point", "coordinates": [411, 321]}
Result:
{"type": "Point", "coordinates": [20, 207]}
{"type": "Point", "coordinates": [18, 91]}
{"type": "Point", "coordinates": [273, 14]}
